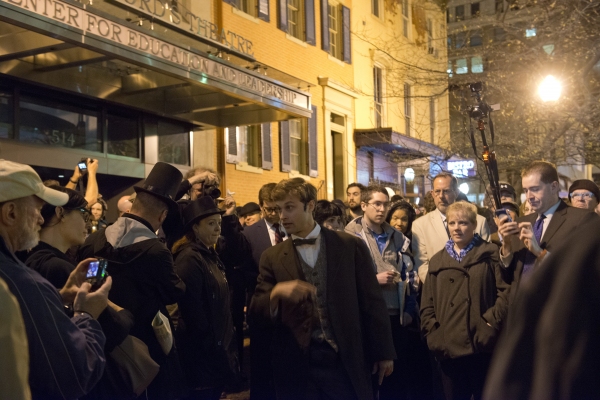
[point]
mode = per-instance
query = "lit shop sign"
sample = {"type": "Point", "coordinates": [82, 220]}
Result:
{"type": "Point", "coordinates": [462, 168]}
{"type": "Point", "coordinates": [120, 34]}
{"type": "Point", "coordinates": [191, 23]}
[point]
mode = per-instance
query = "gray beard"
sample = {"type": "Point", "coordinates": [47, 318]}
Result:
{"type": "Point", "coordinates": [28, 240]}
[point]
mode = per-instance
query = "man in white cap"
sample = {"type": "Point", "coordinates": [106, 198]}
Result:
{"type": "Point", "coordinates": [66, 356]}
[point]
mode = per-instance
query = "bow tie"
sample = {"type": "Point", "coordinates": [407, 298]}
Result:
{"type": "Point", "coordinates": [300, 242]}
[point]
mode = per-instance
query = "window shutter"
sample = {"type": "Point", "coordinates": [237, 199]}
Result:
{"type": "Point", "coordinates": [232, 144]}
{"type": "Point", "coordinates": [283, 18]}
{"type": "Point", "coordinates": [284, 144]}
{"type": "Point", "coordinates": [313, 154]}
{"type": "Point", "coordinates": [263, 10]}
{"type": "Point", "coordinates": [324, 26]}
{"type": "Point", "coordinates": [265, 140]}
{"type": "Point", "coordinates": [346, 34]}
{"type": "Point", "coordinates": [309, 14]}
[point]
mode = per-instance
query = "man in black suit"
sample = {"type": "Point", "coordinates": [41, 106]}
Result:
{"type": "Point", "coordinates": [528, 239]}
{"type": "Point", "coordinates": [331, 328]}
{"type": "Point", "coordinates": [262, 235]}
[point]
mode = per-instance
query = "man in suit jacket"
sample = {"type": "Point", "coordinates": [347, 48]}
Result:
{"type": "Point", "coordinates": [530, 238]}
{"type": "Point", "coordinates": [331, 327]}
{"type": "Point", "coordinates": [430, 232]}
{"type": "Point", "coordinates": [262, 235]}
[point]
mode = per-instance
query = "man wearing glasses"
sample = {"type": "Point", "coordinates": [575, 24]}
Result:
{"type": "Point", "coordinates": [430, 232]}
{"type": "Point", "coordinates": [387, 247]}
{"type": "Point", "coordinates": [584, 193]}
{"type": "Point", "coordinates": [262, 235]}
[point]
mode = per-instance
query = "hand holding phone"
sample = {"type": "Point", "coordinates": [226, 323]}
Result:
{"type": "Point", "coordinates": [96, 273]}
{"type": "Point", "coordinates": [501, 211]}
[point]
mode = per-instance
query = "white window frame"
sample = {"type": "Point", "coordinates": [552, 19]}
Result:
{"type": "Point", "coordinates": [335, 30]}
{"type": "Point", "coordinates": [406, 19]}
{"type": "Point", "coordinates": [408, 106]}
{"type": "Point", "coordinates": [379, 5]}
{"type": "Point", "coordinates": [296, 27]}
{"type": "Point", "coordinates": [298, 133]}
{"type": "Point", "coordinates": [381, 96]}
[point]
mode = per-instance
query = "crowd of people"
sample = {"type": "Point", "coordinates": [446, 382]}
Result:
{"type": "Point", "coordinates": [357, 298]}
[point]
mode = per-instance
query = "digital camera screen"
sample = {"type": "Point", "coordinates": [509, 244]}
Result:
{"type": "Point", "coordinates": [92, 269]}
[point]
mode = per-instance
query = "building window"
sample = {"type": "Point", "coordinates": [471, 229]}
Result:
{"type": "Point", "coordinates": [407, 109]}
{"type": "Point", "coordinates": [123, 134]}
{"type": "Point", "coordinates": [430, 49]}
{"type": "Point", "coordinates": [499, 6]}
{"type": "Point", "coordinates": [247, 6]}
{"type": "Point", "coordinates": [459, 13]}
{"type": "Point", "coordinates": [476, 39]}
{"type": "Point", "coordinates": [405, 21]}
{"type": "Point", "coordinates": [46, 122]}
{"type": "Point", "coordinates": [474, 10]}
{"type": "Point", "coordinates": [378, 95]}
{"type": "Point", "coordinates": [376, 8]}
{"type": "Point", "coordinates": [461, 40]}
{"type": "Point", "coordinates": [461, 66]}
{"type": "Point", "coordinates": [499, 34]}
{"type": "Point", "coordinates": [249, 148]}
{"type": "Point", "coordinates": [296, 18]}
{"type": "Point", "coordinates": [298, 145]}
{"type": "Point", "coordinates": [549, 49]}
{"type": "Point", "coordinates": [173, 143]}
{"type": "Point", "coordinates": [335, 30]}
{"type": "Point", "coordinates": [476, 65]}
{"type": "Point", "coordinates": [531, 32]}
{"type": "Point", "coordinates": [449, 70]}
{"type": "Point", "coordinates": [6, 114]}
{"type": "Point", "coordinates": [431, 120]}
{"type": "Point", "coordinates": [449, 40]}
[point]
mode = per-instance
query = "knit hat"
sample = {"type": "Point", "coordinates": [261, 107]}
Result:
{"type": "Point", "coordinates": [585, 184]}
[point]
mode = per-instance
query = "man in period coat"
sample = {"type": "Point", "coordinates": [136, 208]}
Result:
{"type": "Point", "coordinates": [144, 281]}
{"type": "Point", "coordinates": [331, 328]}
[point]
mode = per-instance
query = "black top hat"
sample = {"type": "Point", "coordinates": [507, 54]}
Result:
{"type": "Point", "coordinates": [249, 208]}
{"type": "Point", "coordinates": [198, 209]}
{"type": "Point", "coordinates": [163, 182]}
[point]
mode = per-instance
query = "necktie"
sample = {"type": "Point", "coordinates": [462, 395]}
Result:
{"type": "Point", "coordinates": [530, 258]}
{"type": "Point", "coordinates": [277, 233]}
{"type": "Point", "coordinates": [301, 242]}
{"type": "Point", "coordinates": [446, 226]}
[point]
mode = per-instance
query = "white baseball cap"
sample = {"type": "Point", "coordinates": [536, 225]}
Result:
{"type": "Point", "coordinates": [20, 180]}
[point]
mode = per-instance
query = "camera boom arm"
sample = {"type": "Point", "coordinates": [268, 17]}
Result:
{"type": "Point", "coordinates": [479, 113]}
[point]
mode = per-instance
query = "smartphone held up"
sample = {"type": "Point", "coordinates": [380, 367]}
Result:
{"type": "Point", "coordinates": [96, 273]}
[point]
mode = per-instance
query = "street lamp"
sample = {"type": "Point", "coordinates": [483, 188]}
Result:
{"type": "Point", "coordinates": [550, 89]}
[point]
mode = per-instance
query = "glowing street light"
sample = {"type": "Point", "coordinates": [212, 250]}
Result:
{"type": "Point", "coordinates": [464, 188]}
{"type": "Point", "coordinates": [550, 89]}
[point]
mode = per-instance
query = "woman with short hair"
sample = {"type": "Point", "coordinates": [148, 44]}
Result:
{"type": "Point", "coordinates": [464, 304]}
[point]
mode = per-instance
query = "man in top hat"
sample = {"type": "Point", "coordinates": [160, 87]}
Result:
{"type": "Point", "coordinates": [144, 281]}
{"type": "Point", "coordinates": [331, 328]}
{"type": "Point", "coordinates": [584, 193]}
{"type": "Point", "coordinates": [66, 357]}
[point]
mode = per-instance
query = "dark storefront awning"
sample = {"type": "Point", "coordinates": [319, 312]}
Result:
{"type": "Point", "coordinates": [90, 51]}
{"type": "Point", "coordinates": [393, 143]}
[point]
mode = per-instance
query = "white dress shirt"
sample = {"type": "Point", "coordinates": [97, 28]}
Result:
{"type": "Point", "coordinates": [271, 231]}
{"type": "Point", "coordinates": [310, 252]}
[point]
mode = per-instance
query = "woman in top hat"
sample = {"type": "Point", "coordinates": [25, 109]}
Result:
{"type": "Point", "coordinates": [205, 328]}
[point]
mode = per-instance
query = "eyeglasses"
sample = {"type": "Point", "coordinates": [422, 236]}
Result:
{"type": "Point", "coordinates": [379, 205]}
{"type": "Point", "coordinates": [446, 192]}
{"type": "Point", "coordinates": [582, 196]}
{"type": "Point", "coordinates": [85, 214]}
{"type": "Point", "coordinates": [271, 210]}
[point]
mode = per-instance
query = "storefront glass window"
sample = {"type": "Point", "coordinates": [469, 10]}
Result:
{"type": "Point", "coordinates": [173, 143]}
{"type": "Point", "coordinates": [59, 125]}
{"type": "Point", "coordinates": [6, 115]}
{"type": "Point", "coordinates": [123, 135]}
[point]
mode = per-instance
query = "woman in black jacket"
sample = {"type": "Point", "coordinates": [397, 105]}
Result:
{"type": "Point", "coordinates": [464, 304]}
{"type": "Point", "coordinates": [205, 330]}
